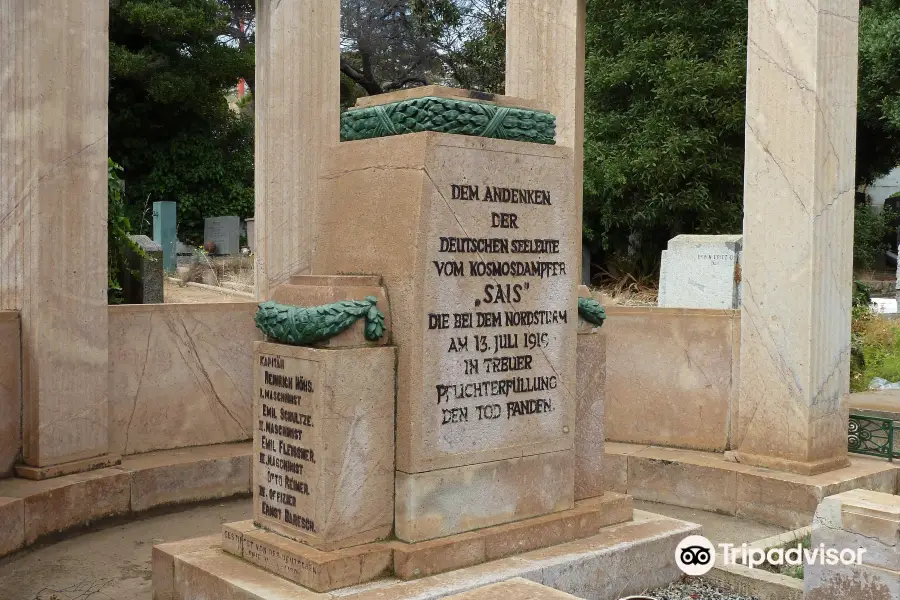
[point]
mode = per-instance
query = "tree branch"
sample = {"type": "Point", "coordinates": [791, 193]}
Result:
{"type": "Point", "coordinates": [372, 88]}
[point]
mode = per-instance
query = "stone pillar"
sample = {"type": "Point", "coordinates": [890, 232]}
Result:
{"type": "Point", "coordinates": [798, 234]}
{"type": "Point", "coordinates": [53, 263]}
{"type": "Point", "coordinates": [545, 62]}
{"type": "Point", "coordinates": [297, 117]}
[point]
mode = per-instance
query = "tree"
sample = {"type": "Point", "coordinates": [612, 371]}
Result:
{"type": "Point", "coordinates": [171, 66]}
{"type": "Point", "coordinates": [878, 123]}
{"type": "Point", "coordinates": [664, 123]}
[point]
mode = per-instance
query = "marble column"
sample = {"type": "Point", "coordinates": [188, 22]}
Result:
{"type": "Point", "coordinates": [798, 234]}
{"type": "Point", "coordinates": [297, 118]}
{"type": "Point", "coordinates": [53, 145]}
{"type": "Point", "coordinates": [545, 62]}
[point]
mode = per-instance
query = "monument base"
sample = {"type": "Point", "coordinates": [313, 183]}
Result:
{"type": "Point", "coordinates": [325, 571]}
{"type": "Point", "coordinates": [69, 468]}
{"type": "Point", "coordinates": [618, 560]}
{"type": "Point", "coordinates": [709, 481]}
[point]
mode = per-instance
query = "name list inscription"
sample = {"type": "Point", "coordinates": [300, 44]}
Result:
{"type": "Point", "coordinates": [507, 294]}
{"type": "Point", "coordinates": [285, 469]}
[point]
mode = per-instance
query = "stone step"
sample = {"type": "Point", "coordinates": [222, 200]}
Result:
{"type": "Point", "coordinates": [31, 510]}
{"type": "Point", "coordinates": [621, 560]}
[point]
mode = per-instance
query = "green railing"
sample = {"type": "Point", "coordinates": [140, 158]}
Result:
{"type": "Point", "coordinates": [872, 436]}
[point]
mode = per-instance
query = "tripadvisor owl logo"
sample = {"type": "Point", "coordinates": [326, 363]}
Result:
{"type": "Point", "coordinates": [695, 555]}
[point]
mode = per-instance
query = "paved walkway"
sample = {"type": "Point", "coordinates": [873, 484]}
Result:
{"type": "Point", "coordinates": [113, 562]}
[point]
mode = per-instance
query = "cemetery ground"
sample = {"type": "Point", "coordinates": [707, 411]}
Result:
{"type": "Point", "coordinates": [111, 560]}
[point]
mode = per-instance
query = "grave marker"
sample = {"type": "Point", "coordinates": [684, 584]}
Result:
{"type": "Point", "coordinates": [165, 228]}
{"type": "Point", "coordinates": [225, 233]}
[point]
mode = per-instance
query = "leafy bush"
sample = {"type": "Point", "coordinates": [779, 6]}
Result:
{"type": "Point", "coordinates": [874, 346]}
{"type": "Point", "coordinates": [119, 228]}
{"type": "Point", "coordinates": [872, 229]}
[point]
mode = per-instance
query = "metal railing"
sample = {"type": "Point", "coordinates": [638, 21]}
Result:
{"type": "Point", "coordinates": [872, 436]}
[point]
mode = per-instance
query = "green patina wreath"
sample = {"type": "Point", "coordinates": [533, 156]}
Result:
{"type": "Point", "coordinates": [299, 326]}
{"type": "Point", "coordinates": [591, 311]}
{"type": "Point", "coordinates": [448, 115]}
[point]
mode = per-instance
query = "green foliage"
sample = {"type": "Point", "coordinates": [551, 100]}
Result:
{"type": "Point", "coordinates": [169, 121]}
{"type": "Point", "coordinates": [871, 228]}
{"type": "Point", "coordinates": [878, 122]}
{"type": "Point", "coordinates": [664, 123]}
{"type": "Point", "coordinates": [874, 350]}
{"type": "Point", "coordinates": [118, 229]}
{"type": "Point", "coordinates": [479, 62]}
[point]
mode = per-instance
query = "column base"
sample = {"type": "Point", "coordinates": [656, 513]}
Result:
{"type": "Point", "coordinates": [792, 466]}
{"type": "Point", "coordinates": [69, 468]}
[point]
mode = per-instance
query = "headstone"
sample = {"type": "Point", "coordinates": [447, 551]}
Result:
{"type": "Point", "coordinates": [225, 233]}
{"type": "Point", "coordinates": [142, 281]}
{"type": "Point", "coordinates": [251, 234]}
{"type": "Point", "coordinates": [165, 228]}
{"type": "Point", "coordinates": [701, 271]}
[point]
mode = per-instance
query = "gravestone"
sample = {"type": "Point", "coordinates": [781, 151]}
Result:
{"type": "Point", "coordinates": [251, 234]}
{"type": "Point", "coordinates": [701, 271]}
{"type": "Point", "coordinates": [225, 233]}
{"type": "Point", "coordinates": [165, 227]}
{"type": "Point", "coordinates": [142, 280]}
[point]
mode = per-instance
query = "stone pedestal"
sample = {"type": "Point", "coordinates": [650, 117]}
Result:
{"type": "Point", "coordinates": [53, 209]}
{"type": "Point", "coordinates": [798, 235]}
{"type": "Point", "coordinates": [851, 521]}
{"type": "Point", "coordinates": [589, 411]}
{"type": "Point", "coordinates": [472, 237]}
{"type": "Point", "coordinates": [323, 473]}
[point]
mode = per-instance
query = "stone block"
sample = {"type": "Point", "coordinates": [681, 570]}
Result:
{"type": "Point", "coordinates": [660, 477]}
{"type": "Point", "coordinates": [224, 232]}
{"type": "Point", "coordinates": [701, 271]}
{"type": "Point", "coordinates": [162, 563]}
{"type": "Point", "coordinates": [670, 376]}
{"type": "Point", "coordinates": [67, 468]}
{"type": "Point", "coordinates": [10, 391]}
{"type": "Point", "coordinates": [586, 519]}
{"type": "Point", "coordinates": [589, 396]}
{"type": "Point", "coordinates": [307, 290]}
{"type": "Point", "coordinates": [12, 525]}
{"type": "Point", "coordinates": [513, 589]}
{"type": "Point", "coordinates": [142, 280]}
{"type": "Point", "coordinates": [439, 91]}
{"type": "Point", "coordinates": [423, 188]}
{"type": "Point", "coordinates": [615, 473]}
{"type": "Point", "coordinates": [314, 569]}
{"type": "Point", "coordinates": [449, 501]}
{"type": "Point", "coordinates": [180, 375]}
{"type": "Point", "coordinates": [69, 501]}
{"type": "Point", "coordinates": [172, 477]}
{"type": "Point", "coordinates": [165, 228]}
{"type": "Point", "coordinates": [324, 444]}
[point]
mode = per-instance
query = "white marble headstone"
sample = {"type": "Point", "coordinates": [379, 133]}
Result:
{"type": "Point", "coordinates": [701, 271]}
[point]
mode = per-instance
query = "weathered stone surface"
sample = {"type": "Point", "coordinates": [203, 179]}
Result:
{"type": "Point", "coordinates": [406, 185]}
{"type": "Point", "coordinates": [655, 477]}
{"type": "Point", "coordinates": [670, 376]}
{"type": "Point", "coordinates": [701, 271]}
{"type": "Point", "coordinates": [328, 415]}
{"type": "Point", "coordinates": [798, 195]}
{"type": "Point", "coordinates": [162, 562]}
{"type": "Point", "coordinates": [69, 501]}
{"type": "Point", "coordinates": [10, 392]}
{"type": "Point", "coordinates": [67, 468]}
{"type": "Point", "coordinates": [298, 74]}
{"type": "Point", "coordinates": [314, 569]}
{"type": "Point", "coordinates": [621, 560]}
{"type": "Point", "coordinates": [53, 206]}
{"type": "Point", "coordinates": [142, 280]}
{"type": "Point", "coordinates": [180, 375]}
{"type": "Point", "coordinates": [441, 91]}
{"type": "Point", "coordinates": [177, 476]}
{"type": "Point", "coordinates": [514, 589]}
{"type": "Point", "coordinates": [448, 501]}
{"type": "Point", "coordinates": [586, 519]}
{"type": "Point", "coordinates": [853, 520]}
{"type": "Point", "coordinates": [309, 290]}
{"type": "Point", "coordinates": [224, 232]}
{"type": "Point", "coordinates": [589, 399]}
{"type": "Point", "coordinates": [12, 525]}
